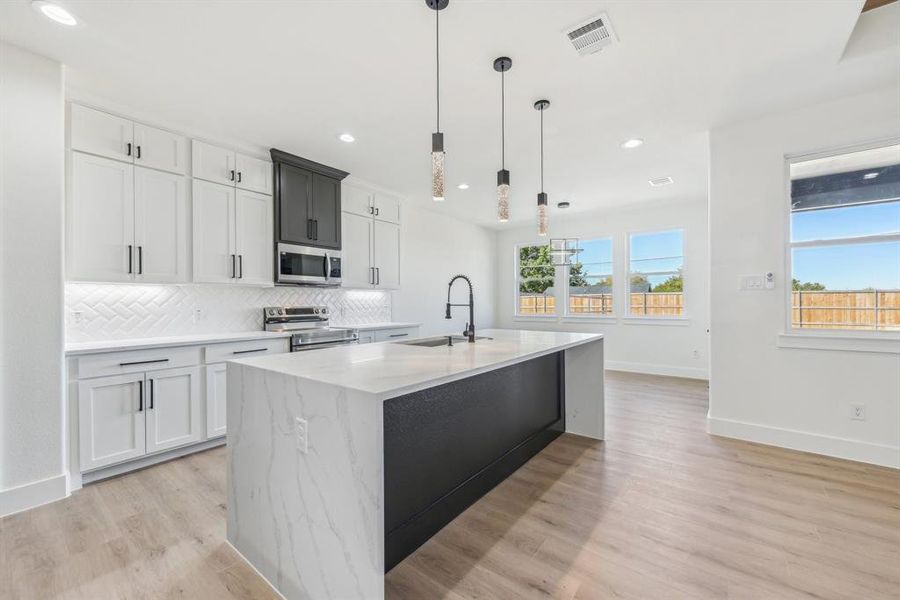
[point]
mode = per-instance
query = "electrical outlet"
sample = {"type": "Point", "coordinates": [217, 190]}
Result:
{"type": "Point", "coordinates": [696, 354]}
{"type": "Point", "coordinates": [198, 314]}
{"type": "Point", "coordinates": [301, 431]}
{"type": "Point", "coordinates": [858, 412]}
{"type": "Point", "coordinates": [77, 317]}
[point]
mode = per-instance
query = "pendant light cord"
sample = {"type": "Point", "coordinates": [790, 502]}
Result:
{"type": "Point", "coordinates": [437, 55]}
{"type": "Point", "coordinates": [503, 119]}
{"type": "Point", "coordinates": [542, 149]}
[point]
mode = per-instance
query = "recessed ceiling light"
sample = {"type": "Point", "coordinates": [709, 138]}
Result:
{"type": "Point", "coordinates": [346, 137]}
{"type": "Point", "coordinates": [563, 204]}
{"type": "Point", "coordinates": [55, 12]}
{"type": "Point", "coordinates": [871, 175]}
{"type": "Point", "coordinates": [463, 186]}
{"type": "Point", "coordinates": [661, 181]}
{"type": "Point", "coordinates": [632, 143]}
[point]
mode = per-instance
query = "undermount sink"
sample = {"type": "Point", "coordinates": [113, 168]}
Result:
{"type": "Point", "coordinates": [443, 340]}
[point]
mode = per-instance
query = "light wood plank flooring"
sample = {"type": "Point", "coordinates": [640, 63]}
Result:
{"type": "Point", "coordinates": [660, 510]}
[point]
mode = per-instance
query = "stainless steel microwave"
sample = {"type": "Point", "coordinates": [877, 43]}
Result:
{"type": "Point", "coordinates": [304, 265]}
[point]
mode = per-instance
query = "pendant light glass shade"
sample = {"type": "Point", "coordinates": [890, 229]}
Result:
{"type": "Point", "coordinates": [542, 217]}
{"type": "Point", "coordinates": [503, 196]}
{"type": "Point", "coordinates": [437, 167]}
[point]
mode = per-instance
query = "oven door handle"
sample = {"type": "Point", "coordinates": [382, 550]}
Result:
{"type": "Point", "coordinates": [305, 347]}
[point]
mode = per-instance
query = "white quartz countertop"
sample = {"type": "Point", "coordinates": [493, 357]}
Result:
{"type": "Point", "coordinates": [391, 369]}
{"type": "Point", "coordinates": [76, 348]}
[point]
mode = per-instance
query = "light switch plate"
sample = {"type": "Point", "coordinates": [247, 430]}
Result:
{"type": "Point", "coordinates": [751, 282]}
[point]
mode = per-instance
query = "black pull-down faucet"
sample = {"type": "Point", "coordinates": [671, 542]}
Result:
{"type": "Point", "coordinates": [470, 326]}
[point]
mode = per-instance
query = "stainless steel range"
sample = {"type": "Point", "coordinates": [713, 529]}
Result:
{"type": "Point", "coordinates": [309, 325]}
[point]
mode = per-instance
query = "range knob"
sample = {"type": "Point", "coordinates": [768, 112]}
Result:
{"type": "Point", "coordinates": [270, 312]}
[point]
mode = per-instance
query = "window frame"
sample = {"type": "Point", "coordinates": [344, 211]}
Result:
{"type": "Point", "coordinates": [790, 336]}
{"type": "Point", "coordinates": [626, 294]}
{"type": "Point", "coordinates": [517, 269]}
{"type": "Point", "coordinates": [569, 316]}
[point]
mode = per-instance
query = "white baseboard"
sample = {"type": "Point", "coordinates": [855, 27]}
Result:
{"type": "Point", "coordinates": [876, 454]}
{"type": "Point", "coordinates": [652, 369]}
{"type": "Point", "coordinates": [32, 494]}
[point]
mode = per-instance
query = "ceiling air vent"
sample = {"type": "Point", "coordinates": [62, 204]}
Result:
{"type": "Point", "coordinates": [592, 35]}
{"type": "Point", "coordinates": [660, 181]}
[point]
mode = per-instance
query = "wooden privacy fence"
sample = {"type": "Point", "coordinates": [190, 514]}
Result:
{"type": "Point", "coordinates": [848, 309]}
{"type": "Point", "coordinates": [649, 304]}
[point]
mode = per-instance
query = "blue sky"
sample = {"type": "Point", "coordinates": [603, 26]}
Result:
{"type": "Point", "coordinates": [848, 267]}
{"type": "Point", "coordinates": [596, 255]}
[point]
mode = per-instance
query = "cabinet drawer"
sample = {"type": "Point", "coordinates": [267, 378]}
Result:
{"type": "Point", "coordinates": [234, 350]}
{"type": "Point", "coordinates": [118, 363]}
{"type": "Point", "coordinates": [388, 335]}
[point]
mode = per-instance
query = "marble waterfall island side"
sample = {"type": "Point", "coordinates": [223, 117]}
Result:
{"type": "Point", "coordinates": [342, 461]}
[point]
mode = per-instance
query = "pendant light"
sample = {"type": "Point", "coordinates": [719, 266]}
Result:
{"type": "Point", "coordinates": [437, 138]}
{"type": "Point", "coordinates": [502, 64]}
{"type": "Point", "coordinates": [541, 106]}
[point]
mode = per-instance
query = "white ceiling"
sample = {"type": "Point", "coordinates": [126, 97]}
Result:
{"type": "Point", "coordinates": [293, 75]}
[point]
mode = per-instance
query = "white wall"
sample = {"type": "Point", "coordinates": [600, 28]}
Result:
{"type": "Point", "coordinates": [31, 279]}
{"type": "Point", "coordinates": [789, 397]}
{"type": "Point", "coordinates": [647, 346]}
{"type": "Point", "coordinates": [434, 248]}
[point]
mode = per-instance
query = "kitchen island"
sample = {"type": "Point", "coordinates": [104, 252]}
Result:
{"type": "Point", "coordinates": [342, 461]}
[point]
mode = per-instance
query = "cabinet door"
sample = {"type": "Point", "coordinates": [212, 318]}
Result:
{"type": "Point", "coordinates": [212, 163]}
{"type": "Point", "coordinates": [366, 337]}
{"type": "Point", "coordinates": [254, 247]}
{"type": "Point", "coordinates": [101, 133]}
{"type": "Point", "coordinates": [160, 227]}
{"type": "Point", "coordinates": [386, 255]}
{"type": "Point", "coordinates": [214, 254]}
{"type": "Point", "coordinates": [387, 207]}
{"type": "Point", "coordinates": [293, 200]}
{"type": "Point", "coordinates": [253, 174]}
{"type": "Point", "coordinates": [356, 254]}
{"type": "Point", "coordinates": [100, 219]}
{"type": "Point", "coordinates": [111, 419]}
{"type": "Point", "coordinates": [326, 211]}
{"type": "Point", "coordinates": [173, 408]}
{"type": "Point", "coordinates": [356, 199]}
{"type": "Point", "coordinates": [215, 400]}
{"type": "Point", "coordinates": [160, 149]}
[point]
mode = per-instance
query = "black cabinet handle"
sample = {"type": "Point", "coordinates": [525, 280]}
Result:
{"type": "Point", "coordinates": [315, 229]}
{"type": "Point", "coordinates": [372, 275]}
{"type": "Point", "coordinates": [241, 266]}
{"type": "Point", "coordinates": [234, 266]}
{"type": "Point", "coordinates": [140, 260]}
{"type": "Point", "coordinates": [377, 276]}
{"type": "Point", "coordinates": [399, 334]}
{"type": "Point", "coordinates": [141, 395]}
{"type": "Point", "coordinates": [129, 258]}
{"type": "Point", "coordinates": [239, 176]}
{"type": "Point", "coordinates": [371, 210]}
{"type": "Point", "coordinates": [128, 149]}
{"type": "Point", "coordinates": [249, 351]}
{"type": "Point", "coordinates": [137, 151]}
{"type": "Point", "coordinates": [151, 394]}
{"type": "Point", "coordinates": [144, 362]}
{"type": "Point", "coordinates": [309, 229]}
{"type": "Point", "coordinates": [232, 174]}
{"type": "Point", "coordinates": [376, 211]}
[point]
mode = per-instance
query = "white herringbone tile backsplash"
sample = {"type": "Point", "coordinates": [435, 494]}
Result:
{"type": "Point", "coordinates": [106, 311]}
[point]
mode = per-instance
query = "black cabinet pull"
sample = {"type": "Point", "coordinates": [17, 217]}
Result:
{"type": "Point", "coordinates": [372, 275]}
{"type": "Point", "coordinates": [141, 395]}
{"type": "Point", "coordinates": [399, 334]}
{"type": "Point", "coordinates": [151, 394]}
{"type": "Point", "coordinates": [241, 266]}
{"type": "Point", "coordinates": [140, 260]}
{"type": "Point", "coordinates": [376, 211]}
{"type": "Point", "coordinates": [144, 362]}
{"type": "Point", "coordinates": [309, 229]}
{"type": "Point", "coordinates": [249, 351]}
{"type": "Point", "coordinates": [315, 229]}
{"type": "Point", "coordinates": [371, 210]}
{"type": "Point", "coordinates": [377, 276]}
{"type": "Point", "coordinates": [129, 258]}
{"type": "Point", "coordinates": [128, 149]}
{"type": "Point", "coordinates": [239, 176]}
{"type": "Point", "coordinates": [137, 151]}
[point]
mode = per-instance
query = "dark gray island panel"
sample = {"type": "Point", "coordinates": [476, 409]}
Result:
{"type": "Point", "coordinates": [446, 446]}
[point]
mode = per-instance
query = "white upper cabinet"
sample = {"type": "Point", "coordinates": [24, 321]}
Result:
{"type": "Point", "coordinates": [159, 149]}
{"type": "Point", "coordinates": [100, 220]}
{"type": "Point", "coordinates": [212, 163]}
{"type": "Point", "coordinates": [356, 199]}
{"type": "Point", "coordinates": [100, 133]}
{"type": "Point", "coordinates": [387, 207]}
{"type": "Point", "coordinates": [160, 227]}
{"type": "Point", "coordinates": [253, 174]}
{"type": "Point", "coordinates": [386, 255]}
{"type": "Point", "coordinates": [214, 255]}
{"type": "Point", "coordinates": [356, 253]}
{"type": "Point", "coordinates": [253, 237]}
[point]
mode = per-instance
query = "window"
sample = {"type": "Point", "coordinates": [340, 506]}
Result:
{"type": "Point", "coordinates": [591, 279]}
{"type": "Point", "coordinates": [535, 281]}
{"type": "Point", "coordinates": [655, 274]}
{"type": "Point", "coordinates": [844, 248]}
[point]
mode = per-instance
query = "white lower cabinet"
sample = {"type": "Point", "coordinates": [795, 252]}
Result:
{"type": "Point", "coordinates": [111, 420]}
{"type": "Point", "coordinates": [215, 400]}
{"type": "Point", "coordinates": [394, 334]}
{"type": "Point", "coordinates": [173, 408]}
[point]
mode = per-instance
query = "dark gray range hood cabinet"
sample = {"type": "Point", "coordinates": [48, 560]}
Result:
{"type": "Point", "coordinates": [307, 202]}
